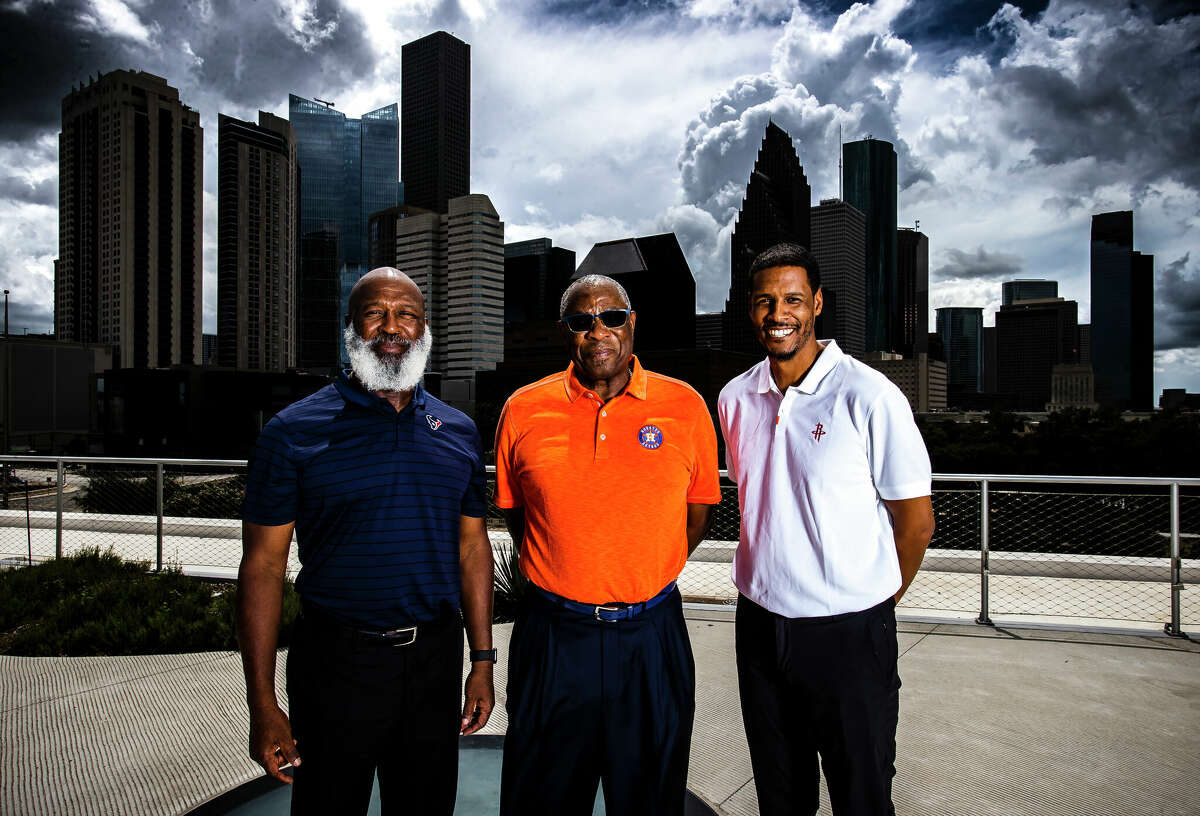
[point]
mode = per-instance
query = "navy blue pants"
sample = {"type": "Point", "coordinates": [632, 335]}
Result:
{"type": "Point", "coordinates": [820, 686]}
{"type": "Point", "coordinates": [358, 706]}
{"type": "Point", "coordinates": [594, 702]}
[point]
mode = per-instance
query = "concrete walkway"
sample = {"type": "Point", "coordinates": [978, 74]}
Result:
{"type": "Point", "coordinates": [993, 721]}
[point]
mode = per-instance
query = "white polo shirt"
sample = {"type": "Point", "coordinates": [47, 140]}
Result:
{"type": "Point", "coordinates": [813, 466]}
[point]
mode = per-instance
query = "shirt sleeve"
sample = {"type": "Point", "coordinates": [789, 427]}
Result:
{"type": "Point", "coordinates": [705, 487]}
{"type": "Point", "coordinates": [474, 500]}
{"type": "Point", "coordinates": [898, 458]}
{"type": "Point", "coordinates": [508, 485]}
{"type": "Point", "coordinates": [727, 433]}
{"type": "Point", "coordinates": [271, 483]}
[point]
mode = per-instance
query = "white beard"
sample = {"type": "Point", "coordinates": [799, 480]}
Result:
{"type": "Point", "coordinates": [388, 374]}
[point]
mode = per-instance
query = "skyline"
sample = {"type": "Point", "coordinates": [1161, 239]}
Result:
{"type": "Point", "coordinates": [1011, 130]}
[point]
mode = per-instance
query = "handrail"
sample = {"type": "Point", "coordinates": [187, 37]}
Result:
{"type": "Point", "coordinates": [1152, 481]}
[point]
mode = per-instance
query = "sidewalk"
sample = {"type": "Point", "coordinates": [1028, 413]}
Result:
{"type": "Point", "coordinates": [993, 721]}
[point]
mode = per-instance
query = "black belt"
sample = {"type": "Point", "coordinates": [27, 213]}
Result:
{"type": "Point", "coordinates": [607, 612]}
{"type": "Point", "coordinates": [403, 636]}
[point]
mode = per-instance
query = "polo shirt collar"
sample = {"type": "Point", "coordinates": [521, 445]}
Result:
{"type": "Point", "coordinates": [636, 387]}
{"type": "Point", "coordinates": [352, 391]}
{"type": "Point", "coordinates": [826, 361]}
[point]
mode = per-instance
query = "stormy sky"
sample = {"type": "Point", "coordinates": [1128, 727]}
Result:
{"type": "Point", "coordinates": [1014, 123]}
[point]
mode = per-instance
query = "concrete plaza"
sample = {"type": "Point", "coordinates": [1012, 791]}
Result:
{"type": "Point", "coordinates": [993, 721]}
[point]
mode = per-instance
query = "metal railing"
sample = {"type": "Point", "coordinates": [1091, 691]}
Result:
{"type": "Point", "coordinates": [1095, 550]}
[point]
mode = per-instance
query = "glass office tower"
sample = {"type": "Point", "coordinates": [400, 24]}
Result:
{"type": "Point", "coordinates": [349, 168]}
{"type": "Point", "coordinates": [869, 178]}
{"type": "Point", "coordinates": [960, 329]}
{"type": "Point", "coordinates": [1122, 347]}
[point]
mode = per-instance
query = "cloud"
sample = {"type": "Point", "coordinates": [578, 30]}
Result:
{"type": "Point", "coordinates": [552, 173]}
{"type": "Point", "coordinates": [221, 52]}
{"type": "Point", "coordinates": [23, 189]}
{"type": "Point", "coordinates": [978, 265]}
{"type": "Point", "coordinates": [1177, 302]}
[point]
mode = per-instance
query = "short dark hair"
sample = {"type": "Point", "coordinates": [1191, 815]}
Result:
{"type": "Point", "coordinates": [786, 254]}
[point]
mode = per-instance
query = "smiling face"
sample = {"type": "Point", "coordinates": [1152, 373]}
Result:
{"type": "Point", "coordinates": [783, 309]}
{"type": "Point", "coordinates": [600, 353]}
{"type": "Point", "coordinates": [388, 311]}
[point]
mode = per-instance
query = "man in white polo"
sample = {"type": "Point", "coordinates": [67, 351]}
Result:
{"type": "Point", "coordinates": [834, 488]}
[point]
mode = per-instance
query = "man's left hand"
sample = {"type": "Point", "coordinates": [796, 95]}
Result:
{"type": "Point", "coordinates": [479, 698]}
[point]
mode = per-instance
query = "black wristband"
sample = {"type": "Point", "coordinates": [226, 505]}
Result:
{"type": "Point", "coordinates": [480, 655]}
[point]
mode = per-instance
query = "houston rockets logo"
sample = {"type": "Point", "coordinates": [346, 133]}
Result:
{"type": "Point", "coordinates": [818, 431]}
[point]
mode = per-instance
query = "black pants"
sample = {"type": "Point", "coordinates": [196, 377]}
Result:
{"type": "Point", "coordinates": [826, 686]}
{"type": "Point", "coordinates": [361, 705]}
{"type": "Point", "coordinates": [589, 702]}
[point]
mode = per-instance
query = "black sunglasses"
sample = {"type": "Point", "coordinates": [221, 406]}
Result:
{"type": "Point", "coordinates": [583, 321]}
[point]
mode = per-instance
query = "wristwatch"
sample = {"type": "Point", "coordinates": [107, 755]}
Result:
{"type": "Point", "coordinates": [478, 655]}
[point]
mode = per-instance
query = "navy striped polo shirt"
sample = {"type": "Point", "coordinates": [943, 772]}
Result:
{"type": "Point", "coordinates": [377, 498]}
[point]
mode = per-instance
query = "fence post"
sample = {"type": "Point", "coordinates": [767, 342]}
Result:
{"type": "Point", "coordinates": [158, 510]}
{"type": "Point", "coordinates": [1173, 628]}
{"type": "Point", "coordinates": [58, 552]}
{"type": "Point", "coordinates": [984, 545]}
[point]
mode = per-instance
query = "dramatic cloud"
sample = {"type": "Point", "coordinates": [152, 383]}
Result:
{"type": "Point", "coordinates": [980, 264]}
{"type": "Point", "coordinates": [1177, 302]}
{"type": "Point", "coordinates": [604, 119]}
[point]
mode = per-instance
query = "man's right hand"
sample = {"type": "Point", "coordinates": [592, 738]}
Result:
{"type": "Point", "coordinates": [271, 743]}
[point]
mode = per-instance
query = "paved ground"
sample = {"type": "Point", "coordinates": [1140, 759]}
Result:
{"type": "Point", "coordinates": [993, 721]}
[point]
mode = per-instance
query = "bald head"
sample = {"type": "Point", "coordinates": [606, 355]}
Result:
{"type": "Point", "coordinates": [382, 278]}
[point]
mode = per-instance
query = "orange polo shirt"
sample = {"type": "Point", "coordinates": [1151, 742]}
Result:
{"type": "Point", "coordinates": [605, 486]}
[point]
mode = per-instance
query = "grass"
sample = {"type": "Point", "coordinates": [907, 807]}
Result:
{"type": "Point", "coordinates": [94, 603]}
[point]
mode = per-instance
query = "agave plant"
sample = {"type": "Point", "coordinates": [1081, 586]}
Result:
{"type": "Point", "coordinates": [510, 584]}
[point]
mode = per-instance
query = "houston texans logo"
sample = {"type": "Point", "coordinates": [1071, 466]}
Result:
{"type": "Point", "coordinates": [434, 423]}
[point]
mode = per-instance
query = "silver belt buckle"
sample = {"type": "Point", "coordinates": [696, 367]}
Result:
{"type": "Point", "coordinates": [597, 610]}
{"type": "Point", "coordinates": [401, 637]}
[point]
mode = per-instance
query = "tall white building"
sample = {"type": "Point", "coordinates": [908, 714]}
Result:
{"type": "Point", "coordinates": [458, 261]}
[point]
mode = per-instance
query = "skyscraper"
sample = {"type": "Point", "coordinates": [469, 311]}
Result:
{"type": "Point", "coordinates": [1012, 291]}
{"type": "Point", "coordinates": [536, 273]}
{"type": "Point", "coordinates": [659, 282]}
{"type": "Point", "coordinates": [349, 169]}
{"type": "Point", "coordinates": [435, 99]}
{"type": "Point", "coordinates": [1122, 315]}
{"type": "Point", "coordinates": [457, 260]}
{"type": "Point", "coordinates": [1032, 336]}
{"type": "Point", "coordinates": [960, 329]}
{"type": "Point", "coordinates": [839, 242]}
{"type": "Point", "coordinates": [775, 209]}
{"type": "Point", "coordinates": [869, 179]}
{"type": "Point", "coordinates": [258, 190]}
{"type": "Point", "coordinates": [130, 220]}
{"type": "Point", "coordinates": [912, 307]}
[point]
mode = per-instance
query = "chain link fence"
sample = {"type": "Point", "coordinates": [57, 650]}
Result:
{"type": "Point", "coordinates": [1053, 550]}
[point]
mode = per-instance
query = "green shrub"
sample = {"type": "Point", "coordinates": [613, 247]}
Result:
{"type": "Point", "coordinates": [94, 603]}
{"type": "Point", "coordinates": [122, 493]}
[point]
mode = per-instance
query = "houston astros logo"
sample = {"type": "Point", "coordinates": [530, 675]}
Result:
{"type": "Point", "coordinates": [650, 437]}
{"type": "Point", "coordinates": [434, 423]}
{"type": "Point", "coordinates": [818, 432]}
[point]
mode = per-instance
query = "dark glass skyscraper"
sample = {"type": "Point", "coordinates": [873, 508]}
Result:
{"type": "Point", "coordinates": [912, 307]}
{"type": "Point", "coordinates": [960, 329]}
{"type": "Point", "coordinates": [1122, 314]}
{"type": "Point", "coordinates": [349, 168]}
{"type": "Point", "coordinates": [1031, 338]}
{"type": "Point", "coordinates": [775, 209]}
{"type": "Point", "coordinates": [435, 98]}
{"type": "Point", "coordinates": [1012, 291]}
{"type": "Point", "coordinates": [869, 179]}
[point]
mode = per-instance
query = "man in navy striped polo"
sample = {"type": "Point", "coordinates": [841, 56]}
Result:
{"type": "Point", "coordinates": [383, 485]}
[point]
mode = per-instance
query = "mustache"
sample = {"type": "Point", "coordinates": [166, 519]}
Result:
{"type": "Point", "coordinates": [385, 337]}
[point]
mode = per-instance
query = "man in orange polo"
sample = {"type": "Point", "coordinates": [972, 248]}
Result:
{"type": "Point", "coordinates": [607, 473]}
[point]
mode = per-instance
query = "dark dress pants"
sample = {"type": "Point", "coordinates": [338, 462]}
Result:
{"type": "Point", "coordinates": [595, 702]}
{"type": "Point", "coordinates": [360, 705]}
{"type": "Point", "coordinates": [820, 686]}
